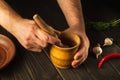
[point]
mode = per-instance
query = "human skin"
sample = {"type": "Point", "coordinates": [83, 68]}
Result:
{"type": "Point", "coordinates": [26, 31]}
{"type": "Point", "coordinates": [29, 34]}
{"type": "Point", "coordinates": [72, 10]}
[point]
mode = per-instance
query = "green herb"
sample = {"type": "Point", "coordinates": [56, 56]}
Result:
{"type": "Point", "coordinates": [103, 25]}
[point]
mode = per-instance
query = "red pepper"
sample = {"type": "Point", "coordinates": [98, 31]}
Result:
{"type": "Point", "coordinates": [109, 56]}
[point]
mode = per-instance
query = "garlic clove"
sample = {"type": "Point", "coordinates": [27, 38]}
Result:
{"type": "Point", "coordinates": [108, 41]}
{"type": "Point", "coordinates": [97, 55]}
{"type": "Point", "coordinates": [97, 50]}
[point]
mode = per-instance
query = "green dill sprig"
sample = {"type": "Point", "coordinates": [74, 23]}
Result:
{"type": "Point", "coordinates": [103, 25]}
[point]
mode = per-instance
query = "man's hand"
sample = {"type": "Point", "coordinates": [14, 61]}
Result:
{"type": "Point", "coordinates": [82, 53]}
{"type": "Point", "coordinates": [31, 36]}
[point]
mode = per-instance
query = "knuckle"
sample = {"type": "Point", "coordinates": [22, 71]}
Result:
{"type": "Point", "coordinates": [44, 44]}
{"type": "Point", "coordinates": [27, 45]}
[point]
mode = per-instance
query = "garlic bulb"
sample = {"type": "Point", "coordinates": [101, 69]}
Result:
{"type": "Point", "coordinates": [97, 50]}
{"type": "Point", "coordinates": [108, 41]}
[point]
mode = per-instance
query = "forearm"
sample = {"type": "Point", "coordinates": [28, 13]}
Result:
{"type": "Point", "coordinates": [73, 12]}
{"type": "Point", "coordinates": [8, 17]}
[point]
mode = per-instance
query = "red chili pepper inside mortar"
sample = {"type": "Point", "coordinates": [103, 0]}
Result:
{"type": "Point", "coordinates": [109, 56]}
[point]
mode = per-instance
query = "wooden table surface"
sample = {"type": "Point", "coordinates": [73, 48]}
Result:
{"type": "Point", "coordinates": [28, 65]}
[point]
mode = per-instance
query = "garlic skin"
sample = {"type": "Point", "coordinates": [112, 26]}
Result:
{"type": "Point", "coordinates": [97, 50]}
{"type": "Point", "coordinates": [108, 41]}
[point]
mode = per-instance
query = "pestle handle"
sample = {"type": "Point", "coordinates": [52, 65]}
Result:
{"type": "Point", "coordinates": [41, 23]}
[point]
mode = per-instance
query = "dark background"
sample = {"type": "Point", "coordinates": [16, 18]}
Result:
{"type": "Point", "coordinates": [93, 10]}
{"type": "Point", "coordinates": [29, 66]}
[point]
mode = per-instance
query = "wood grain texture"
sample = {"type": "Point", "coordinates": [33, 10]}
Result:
{"type": "Point", "coordinates": [28, 65]}
{"type": "Point", "coordinates": [88, 70]}
{"type": "Point", "coordinates": [110, 69]}
{"type": "Point", "coordinates": [37, 66]}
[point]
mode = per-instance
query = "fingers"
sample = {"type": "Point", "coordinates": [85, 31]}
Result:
{"type": "Point", "coordinates": [53, 40]}
{"type": "Point", "coordinates": [34, 47]}
{"type": "Point", "coordinates": [82, 54]}
{"type": "Point", "coordinates": [56, 31]}
{"type": "Point", "coordinates": [39, 40]}
{"type": "Point", "coordinates": [32, 37]}
{"type": "Point", "coordinates": [34, 44]}
{"type": "Point", "coordinates": [80, 57]}
{"type": "Point", "coordinates": [75, 63]}
{"type": "Point", "coordinates": [47, 38]}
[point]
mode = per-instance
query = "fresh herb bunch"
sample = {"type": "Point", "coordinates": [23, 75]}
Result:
{"type": "Point", "coordinates": [103, 25]}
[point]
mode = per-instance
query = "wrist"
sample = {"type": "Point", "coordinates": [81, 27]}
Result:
{"type": "Point", "coordinates": [8, 17]}
{"type": "Point", "coordinates": [78, 27]}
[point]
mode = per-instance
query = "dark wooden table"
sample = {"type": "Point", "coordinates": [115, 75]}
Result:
{"type": "Point", "coordinates": [28, 65]}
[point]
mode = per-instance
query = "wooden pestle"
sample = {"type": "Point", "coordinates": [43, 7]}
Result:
{"type": "Point", "coordinates": [42, 24]}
